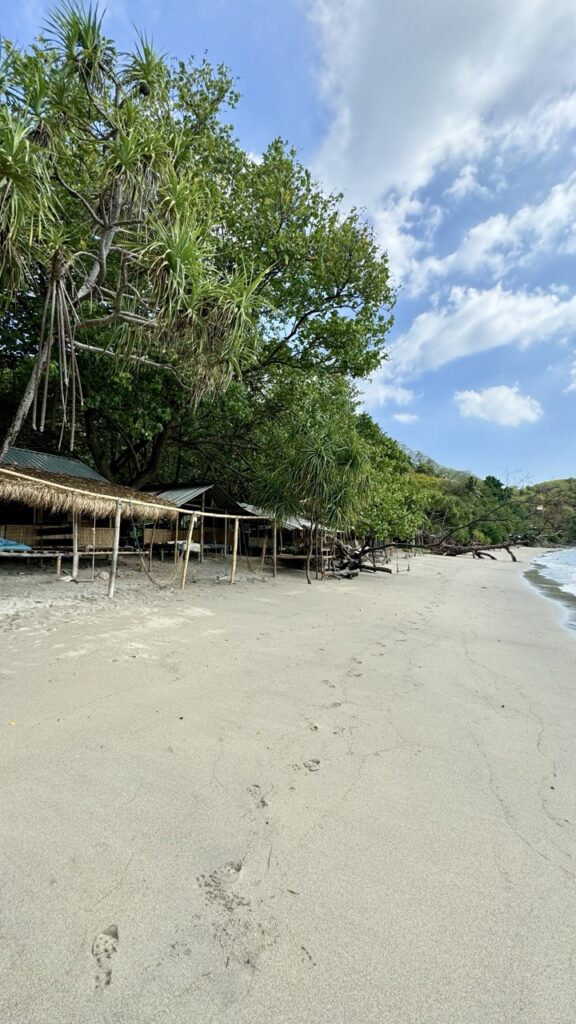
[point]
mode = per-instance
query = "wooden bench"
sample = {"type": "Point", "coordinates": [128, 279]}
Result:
{"type": "Point", "coordinates": [35, 554]}
{"type": "Point", "coordinates": [59, 555]}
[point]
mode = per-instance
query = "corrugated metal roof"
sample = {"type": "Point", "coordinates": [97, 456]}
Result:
{"type": "Point", "coordinates": [26, 459]}
{"type": "Point", "coordinates": [184, 495]}
{"type": "Point", "coordinates": [289, 524]}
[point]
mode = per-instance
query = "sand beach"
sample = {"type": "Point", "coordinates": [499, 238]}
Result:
{"type": "Point", "coordinates": [349, 803]}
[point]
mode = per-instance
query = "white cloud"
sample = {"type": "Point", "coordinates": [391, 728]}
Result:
{"type": "Point", "coordinates": [429, 90]}
{"type": "Point", "coordinates": [477, 320]}
{"type": "Point", "coordinates": [572, 381]}
{"type": "Point", "coordinates": [466, 184]}
{"type": "Point", "coordinates": [502, 405]}
{"type": "Point", "coordinates": [406, 417]}
{"type": "Point", "coordinates": [422, 85]}
{"type": "Point", "coordinates": [506, 242]}
{"type": "Point", "coordinates": [377, 392]}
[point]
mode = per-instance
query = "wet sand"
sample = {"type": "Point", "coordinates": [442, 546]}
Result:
{"type": "Point", "coordinates": [350, 803]}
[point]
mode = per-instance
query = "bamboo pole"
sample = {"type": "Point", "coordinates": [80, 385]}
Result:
{"type": "Point", "coordinates": [223, 515]}
{"type": "Point", "coordinates": [187, 552]}
{"type": "Point", "coordinates": [234, 551]}
{"type": "Point", "coordinates": [154, 508]}
{"type": "Point", "coordinates": [176, 538]}
{"type": "Point", "coordinates": [264, 546]}
{"type": "Point", "coordinates": [151, 549]}
{"type": "Point", "coordinates": [201, 558]}
{"type": "Point", "coordinates": [274, 550]}
{"type": "Point", "coordinates": [75, 555]}
{"type": "Point", "coordinates": [93, 547]}
{"type": "Point", "coordinates": [115, 546]}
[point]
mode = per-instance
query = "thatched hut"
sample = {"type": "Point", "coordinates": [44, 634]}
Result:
{"type": "Point", "coordinates": [59, 493]}
{"type": "Point", "coordinates": [72, 514]}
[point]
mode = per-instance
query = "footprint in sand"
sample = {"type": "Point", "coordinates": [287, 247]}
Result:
{"type": "Point", "coordinates": [104, 947]}
{"type": "Point", "coordinates": [217, 885]}
{"type": "Point", "coordinates": [223, 875]}
{"type": "Point", "coordinates": [257, 796]}
{"type": "Point", "coordinates": [307, 958]}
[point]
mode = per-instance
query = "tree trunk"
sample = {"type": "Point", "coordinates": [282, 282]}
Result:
{"type": "Point", "coordinates": [97, 271]}
{"type": "Point", "coordinates": [309, 554]}
{"type": "Point", "coordinates": [25, 403]}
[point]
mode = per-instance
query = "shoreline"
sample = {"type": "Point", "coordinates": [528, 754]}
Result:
{"type": "Point", "coordinates": [552, 590]}
{"type": "Point", "coordinates": [346, 802]}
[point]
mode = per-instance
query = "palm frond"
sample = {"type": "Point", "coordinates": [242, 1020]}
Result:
{"type": "Point", "coordinates": [76, 32]}
{"type": "Point", "coordinates": [145, 72]}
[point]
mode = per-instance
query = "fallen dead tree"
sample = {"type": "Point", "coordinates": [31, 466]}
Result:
{"type": "Point", "coordinates": [476, 550]}
{"type": "Point", "coordinates": [348, 561]}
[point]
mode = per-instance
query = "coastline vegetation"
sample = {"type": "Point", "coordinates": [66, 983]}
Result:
{"type": "Point", "coordinates": [175, 309]}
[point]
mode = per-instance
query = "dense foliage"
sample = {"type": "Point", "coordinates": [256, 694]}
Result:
{"type": "Point", "coordinates": [174, 310]}
{"type": "Point", "coordinates": [460, 507]}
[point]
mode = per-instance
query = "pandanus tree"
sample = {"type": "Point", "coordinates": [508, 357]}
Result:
{"type": "Point", "coordinates": [113, 173]}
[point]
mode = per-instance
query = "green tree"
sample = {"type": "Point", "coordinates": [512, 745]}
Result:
{"type": "Point", "coordinates": [111, 213]}
{"type": "Point", "coordinates": [392, 505]}
{"type": "Point", "coordinates": [214, 269]}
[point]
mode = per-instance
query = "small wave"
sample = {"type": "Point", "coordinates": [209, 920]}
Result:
{"type": "Point", "coordinates": [569, 588]}
{"type": "Point", "coordinates": [554, 574]}
{"type": "Point", "coordinates": [559, 566]}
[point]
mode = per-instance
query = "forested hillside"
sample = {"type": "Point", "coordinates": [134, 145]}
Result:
{"type": "Point", "coordinates": [463, 508]}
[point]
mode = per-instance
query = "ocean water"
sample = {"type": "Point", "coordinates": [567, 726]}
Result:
{"type": "Point", "coordinates": [560, 568]}
{"type": "Point", "coordinates": [555, 576]}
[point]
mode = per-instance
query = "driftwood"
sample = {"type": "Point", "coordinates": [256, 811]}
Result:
{"type": "Point", "coordinates": [476, 550]}
{"type": "Point", "coordinates": [347, 558]}
{"type": "Point", "coordinates": [342, 574]}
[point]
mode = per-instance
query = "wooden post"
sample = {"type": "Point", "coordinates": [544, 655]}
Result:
{"type": "Point", "coordinates": [93, 548]}
{"type": "Point", "coordinates": [115, 546]}
{"type": "Point", "coordinates": [201, 558]}
{"type": "Point", "coordinates": [59, 565]}
{"type": "Point", "coordinates": [274, 550]}
{"type": "Point", "coordinates": [234, 551]}
{"type": "Point", "coordinates": [187, 552]}
{"type": "Point", "coordinates": [151, 551]}
{"type": "Point", "coordinates": [264, 546]}
{"type": "Point", "coordinates": [225, 538]}
{"type": "Point", "coordinates": [176, 537]}
{"type": "Point", "coordinates": [75, 555]}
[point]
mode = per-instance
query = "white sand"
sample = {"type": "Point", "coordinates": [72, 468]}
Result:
{"type": "Point", "coordinates": [351, 803]}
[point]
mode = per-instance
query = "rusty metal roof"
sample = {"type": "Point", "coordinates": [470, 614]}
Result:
{"type": "Point", "coordinates": [183, 495]}
{"type": "Point", "coordinates": [24, 458]}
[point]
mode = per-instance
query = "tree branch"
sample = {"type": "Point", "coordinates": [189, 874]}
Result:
{"type": "Point", "coordinates": [80, 197]}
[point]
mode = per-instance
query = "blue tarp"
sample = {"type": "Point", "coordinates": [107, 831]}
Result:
{"type": "Point", "coordinates": [13, 545]}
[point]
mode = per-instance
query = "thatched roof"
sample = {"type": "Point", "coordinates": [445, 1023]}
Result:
{"type": "Point", "coordinates": [59, 493]}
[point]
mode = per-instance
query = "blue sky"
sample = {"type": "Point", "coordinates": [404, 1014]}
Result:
{"type": "Point", "coordinates": [454, 126]}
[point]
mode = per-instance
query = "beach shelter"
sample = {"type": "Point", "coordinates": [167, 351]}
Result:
{"type": "Point", "coordinates": [62, 493]}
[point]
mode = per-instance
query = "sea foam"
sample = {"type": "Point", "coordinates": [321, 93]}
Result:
{"type": "Point", "coordinates": [560, 568]}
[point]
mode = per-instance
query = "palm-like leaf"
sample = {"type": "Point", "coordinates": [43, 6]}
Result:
{"type": "Point", "coordinates": [24, 198]}
{"type": "Point", "coordinates": [76, 31]}
{"type": "Point", "coordinates": [145, 71]}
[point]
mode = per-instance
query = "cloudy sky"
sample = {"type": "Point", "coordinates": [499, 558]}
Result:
{"type": "Point", "coordinates": [453, 124]}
